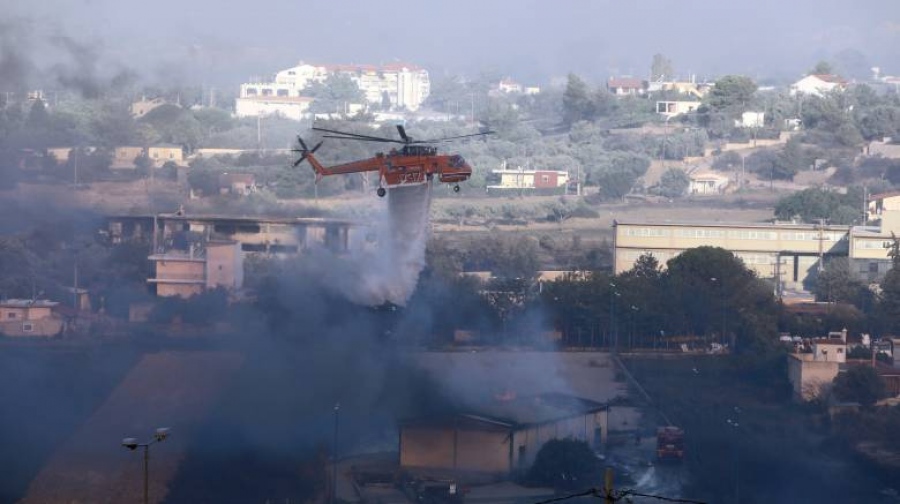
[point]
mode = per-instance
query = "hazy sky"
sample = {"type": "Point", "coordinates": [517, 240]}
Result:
{"type": "Point", "coordinates": [225, 42]}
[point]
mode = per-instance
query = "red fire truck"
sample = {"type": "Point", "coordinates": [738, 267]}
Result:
{"type": "Point", "coordinates": [669, 443]}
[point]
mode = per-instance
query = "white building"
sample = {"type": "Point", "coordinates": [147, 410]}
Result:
{"type": "Point", "coordinates": [751, 120]}
{"type": "Point", "coordinates": [708, 183]}
{"type": "Point", "coordinates": [293, 107]}
{"type": "Point", "coordinates": [674, 108]}
{"type": "Point", "coordinates": [406, 86]}
{"type": "Point", "coordinates": [818, 85]}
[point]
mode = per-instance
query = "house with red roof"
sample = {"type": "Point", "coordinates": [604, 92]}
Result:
{"type": "Point", "coordinates": [626, 86]}
{"type": "Point", "coordinates": [818, 85]}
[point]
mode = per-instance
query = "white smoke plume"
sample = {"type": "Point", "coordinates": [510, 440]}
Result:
{"type": "Point", "coordinates": [388, 272]}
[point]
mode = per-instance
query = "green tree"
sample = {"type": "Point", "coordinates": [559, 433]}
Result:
{"type": "Point", "coordinates": [889, 301]}
{"type": "Point", "coordinates": [879, 122]}
{"type": "Point", "coordinates": [577, 104]}
{"type": "Point", "coordinates": [727, 161]}
{"type": "Point", "coordinates": [813, 204]}
{"type": "Point", "coordinates": [334, 94]}
{"type": "Point", "coordinates": [38, 117]}
{"type": "Point", "coordinates": [661, 68]}
{"type": "Point", "coordinates": [674, 183]}
{"type": "Point", "coordinates": [712, 291]}
{"type": "Point", "coordinates": [861, 384]}
{"type": "Point", "coordinates": [732, 92]}
{"type": "Point", "coordinates": [822, 68]}
{"type": "Point", "coordinates": [838, 283]}
{"type": "Point", "coordinates": [565, 464]}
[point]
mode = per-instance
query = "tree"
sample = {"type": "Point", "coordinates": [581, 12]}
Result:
{"type": "Point", "coordinates": [814, 204]}
{"type": "Point", "coordinates": [38, 116]}
{"type": "Point", "coordinates": [661, 68]}
{"type": "Point", "coordinates": [576, 101]}
{"type": "Point", "coordinates": [334, 94]}
{"type": "Point", "coordinates": [727, 161]}
{"type": "Point", "coordinates": [889, 302]}
{"type": "Point", "coordinates": [861, 384]}
{"type": "Point", "coordinates": [674, 183]}
{"type": "Point", "coordinates": [712, 291]}
{"type": "Point", "coordinates": [838, 283]}
{"type": "Point", "coordinates": [732, 92]}
{"type": "Point", "coordinates": [565, 464]}
{"type": "Point", "coordinates": [822, 68]}
{"type": "Point", "coordinates": [879, 122]}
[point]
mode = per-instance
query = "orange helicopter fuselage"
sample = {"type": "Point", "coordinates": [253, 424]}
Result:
{"type": "Point", "coordinates": [408, 166]}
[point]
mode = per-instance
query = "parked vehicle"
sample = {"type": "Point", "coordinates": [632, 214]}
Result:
{"type": "Point", "coordinates": [669, 443]}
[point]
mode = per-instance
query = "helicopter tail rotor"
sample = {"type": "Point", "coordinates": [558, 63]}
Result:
{"type": "Point", "coordinates": [304, 150]}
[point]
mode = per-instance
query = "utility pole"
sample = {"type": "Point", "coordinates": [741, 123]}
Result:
{"type": "Point", "coordinates": [334, 456]}
{"type": "Point", "coordinates": [865, 206]}
{"type": "Point", "coordinates": [258, 133]}
{"type": "Point", "coordinates": [608, 491]}
{"type": "Point", "coordinates": [821, 238]}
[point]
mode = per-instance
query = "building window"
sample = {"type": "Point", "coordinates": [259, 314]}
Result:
{"type": "Point", "coordinates": [28, 327]}
{"type": "Point", "coordinates": [11, 315]}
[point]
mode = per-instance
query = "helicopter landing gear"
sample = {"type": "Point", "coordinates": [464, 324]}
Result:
{"type": "Point", "coordinates": [456, 188]}
{"type": "Point", "coordinates": [381, 192]}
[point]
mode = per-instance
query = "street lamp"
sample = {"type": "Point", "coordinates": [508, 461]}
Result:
{"type": "Point", "coordinates": [634, 312]}
{"type": "Point", "coordinates": [614, 334]}
{"type": "Point", "coordinates": [133, 444]}
{"type": "Point", "coordinates": [735, 425]}
{"type": "Point", "coordinates": [722, 300]}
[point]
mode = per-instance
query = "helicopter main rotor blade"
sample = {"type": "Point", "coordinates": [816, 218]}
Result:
{"type": "Point", "coordinates": [376, 140]}
{"type": "Point", "coordinates": [448, 139]}
{"type": "Point", "coordinates": [348, 134]}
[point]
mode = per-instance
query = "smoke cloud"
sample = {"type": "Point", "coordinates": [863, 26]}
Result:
{"type": "Point", "coordinates": [388, 272]}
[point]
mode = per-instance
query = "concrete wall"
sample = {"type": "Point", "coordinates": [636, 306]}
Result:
{"type": "Point", "coordinates": [224, 265]}
{"type": "Point", "coordinates": [482, 451]}
{"type": "Point", "coordinates": [15, 313]}
{"type": "Point", "coordinates": [32, 328]}
{"type": "Point", "coordinates": [467, 449]}
{"type": "Point", "coordinates": [809, 378]}
{"type": "Point", "coordinates": [427, 447]}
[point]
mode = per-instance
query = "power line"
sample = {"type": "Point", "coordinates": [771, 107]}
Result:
{"type": "Point", "coordinates": [593, 492]}
{"type": "Point", "coordinates": [618, 496]}
{"type": "Point", "coordinates": [629, 493]}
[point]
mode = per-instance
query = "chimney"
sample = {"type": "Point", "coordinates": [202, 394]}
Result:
{"type": "Point", "coordinates": [844, 335]}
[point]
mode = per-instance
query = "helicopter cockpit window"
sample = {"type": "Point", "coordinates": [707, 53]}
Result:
{"type": "Point", "coordinates": [457, 161]}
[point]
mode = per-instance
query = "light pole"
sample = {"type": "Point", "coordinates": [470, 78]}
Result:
{"type": "Point", "coordinates": [132, 444]}
{"type": "Point", "coordinates": [334, 455]}
{"type": "Point", "coordinates": [634, 312]}
{"type": "Point", "coordinates": [735, 425]}
{"type": "Point", "coordinates": [613, 333]}
{"type": "Point", "coordinates": [722, 300]}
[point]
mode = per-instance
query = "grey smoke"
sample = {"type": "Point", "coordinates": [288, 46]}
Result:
{"type": "Point", "coordinates": [388, 271]}
{"type": "Point", "coordinates": [16, 68]}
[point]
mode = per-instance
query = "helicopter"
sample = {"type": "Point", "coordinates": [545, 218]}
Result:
{"type": "Point", "coordinates": [416, 162]}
